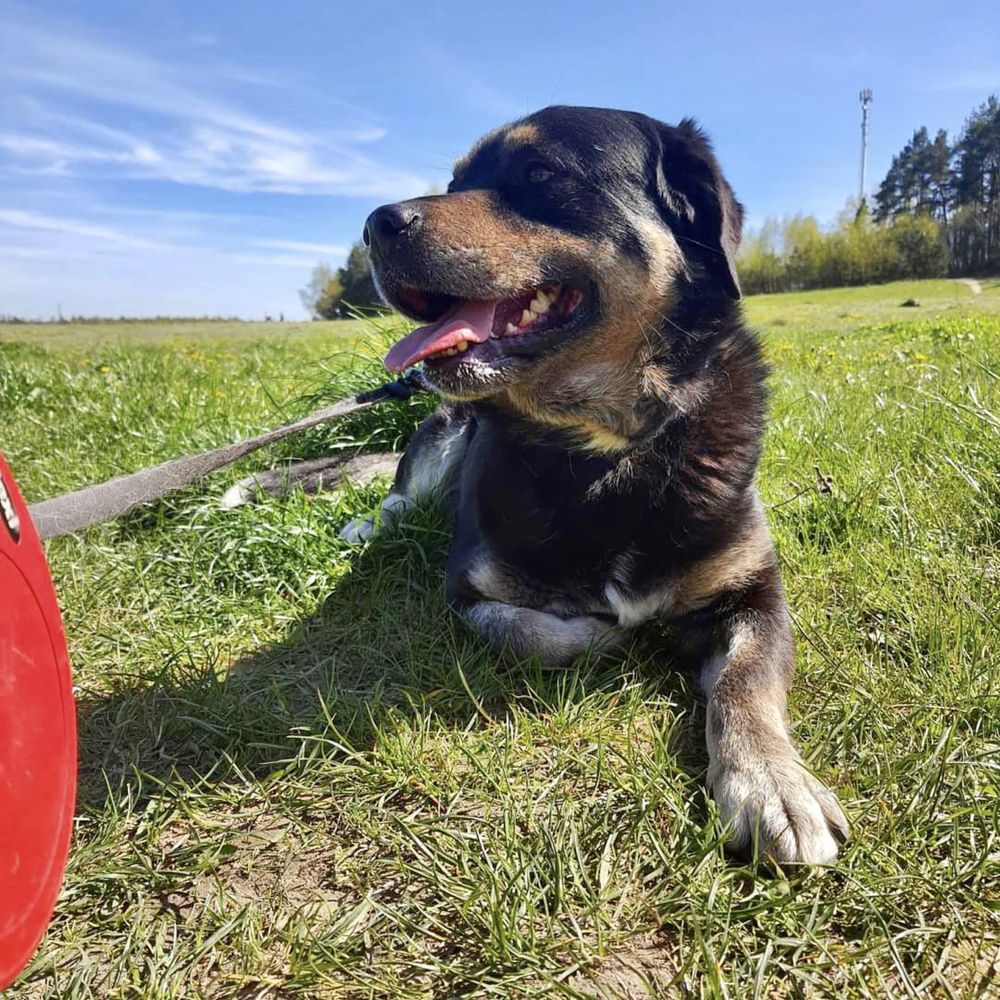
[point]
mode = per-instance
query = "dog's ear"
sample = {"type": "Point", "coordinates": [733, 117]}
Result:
{"type": "Point", "coordinates": [698, 202]}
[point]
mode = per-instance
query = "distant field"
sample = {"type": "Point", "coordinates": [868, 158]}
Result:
{"type": "Point", "coordinates": [164, 331]}
{"type": "Point", "coordinates": [301, 777]}
{"type": "Point", "coordinates": [848, 308]}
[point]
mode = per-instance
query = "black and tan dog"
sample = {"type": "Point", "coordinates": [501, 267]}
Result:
{"type": "Point", "coordinates": [602, 427]}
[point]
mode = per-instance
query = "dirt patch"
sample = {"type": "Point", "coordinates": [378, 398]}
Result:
{"type": "Point", "coordinates": [977, 289]}
{"type": "Point", "coordinates": [973, 968]}
{"type": "Point", "coordinates": [269, 869]}
{"type": "Point", "coordinates": [645, 968]}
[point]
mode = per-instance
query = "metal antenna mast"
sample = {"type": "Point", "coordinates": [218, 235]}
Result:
{"type": "Point", "coordinates": [866, 101]}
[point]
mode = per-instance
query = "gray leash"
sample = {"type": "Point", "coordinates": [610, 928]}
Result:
{"type": "Point", "coordinates": [105, 501]}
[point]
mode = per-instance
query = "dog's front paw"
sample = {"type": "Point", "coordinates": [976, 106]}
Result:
{"type": "Point", "coordinates": [358, 529]}
{"type": "Point", "coordinates": [776, 810]}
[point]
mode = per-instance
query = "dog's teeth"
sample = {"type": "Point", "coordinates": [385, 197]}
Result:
{"type": "Point", "coordinates": [539, 304]}
{"type": "Point", "coordinates": [510, 329]}
{"type": "Point", "coordinates": [526, 317]}
{"type": "Point", "coordinates": [462, 345]}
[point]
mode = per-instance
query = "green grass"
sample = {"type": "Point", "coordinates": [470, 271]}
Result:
{"type": "Point", "coordinates": [301, 777]}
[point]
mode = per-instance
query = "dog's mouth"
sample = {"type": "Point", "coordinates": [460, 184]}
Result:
{"type": "Point", "coordinates": [519, 323]}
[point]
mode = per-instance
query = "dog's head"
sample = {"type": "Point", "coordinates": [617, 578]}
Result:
{"type": "Point", "coordinates": [551, 267]}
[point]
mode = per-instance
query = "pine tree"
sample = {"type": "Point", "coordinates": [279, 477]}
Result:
{"type": "Point", "coordinates": [977, 189]}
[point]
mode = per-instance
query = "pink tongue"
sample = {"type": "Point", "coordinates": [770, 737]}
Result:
{"type": "Point", "coordinates": [470, 320]}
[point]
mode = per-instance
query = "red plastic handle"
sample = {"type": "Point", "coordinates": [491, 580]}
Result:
{"type": "Point", "coordinates": [37, 737]}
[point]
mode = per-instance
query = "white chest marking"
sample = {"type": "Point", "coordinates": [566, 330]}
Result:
{"type": "Point", "coordinates": [632, 610]}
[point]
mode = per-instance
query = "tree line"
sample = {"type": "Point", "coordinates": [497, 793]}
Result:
{"type": "Point", "coordinates": [936, 213]}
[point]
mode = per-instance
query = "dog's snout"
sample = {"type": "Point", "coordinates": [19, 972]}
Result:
{"type": "Point", "coordinates": [387, 224]}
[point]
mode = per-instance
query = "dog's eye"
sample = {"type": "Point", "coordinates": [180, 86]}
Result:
{"type": "Point", "coordinates": [538, 173]}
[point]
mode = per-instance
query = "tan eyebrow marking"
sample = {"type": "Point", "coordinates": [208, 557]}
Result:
{"type": "Point", "coordinates": [522, 135]}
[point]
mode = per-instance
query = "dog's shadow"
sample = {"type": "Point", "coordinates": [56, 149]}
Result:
{"type": "Point", "coordinates": [382, 643]}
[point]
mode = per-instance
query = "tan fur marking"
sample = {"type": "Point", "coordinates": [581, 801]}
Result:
{"type": "Point", "coordinates": [656, 381]}
{"type": "Point", "coordinates": [594, 436]}
{"type": "Point", "coordinates": [665, 258]}
{"type": "Point", "coordinates": [487, 578]}
{"type": "Point", "coordinates": [725, 570]}
{"type": "Point", "coordinates": [522, 135]}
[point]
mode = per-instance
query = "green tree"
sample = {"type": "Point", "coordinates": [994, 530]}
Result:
{"type": "Point", "coordinates": [918, 180]}
{"type": "Point", "coordinates": [804, 251]}
{"type": "Point", "coordinates": [335, 294]}
{"type": "Point", "coordinates": [940, 177]}
{"type": "Point", "coordinates": [310, 296]}
{"type": "Point", "coordinates": [861, 249]}
{"type": "Point", "coordinates": [328, 304]}
{"type": "Point", "coordinates": [966, 239]}
{"type": "Point", "coordinates": [888, 197]}
{"type": "Point", "coordinates": [358, 286]}
{"type": "Point", "coordinates": [920, 247]}
{"type": "Point", "coordinates": [761, 266]}
{"type": "Point", "coordinates": [977, 184]}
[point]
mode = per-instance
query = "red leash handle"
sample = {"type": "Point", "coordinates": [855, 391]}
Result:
{"type": "Point", "coordinates": [37, 737]}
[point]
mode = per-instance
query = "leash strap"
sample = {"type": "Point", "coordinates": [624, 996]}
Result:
{"type": "Point", "coordinates": [105, 501]}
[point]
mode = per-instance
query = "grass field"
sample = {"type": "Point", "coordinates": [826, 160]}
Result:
{"type": "Point", "coordinates": [300, 777]}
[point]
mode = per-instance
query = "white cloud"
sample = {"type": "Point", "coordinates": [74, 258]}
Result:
{"type": "Point", "coordinates": [324, 248]}
{"type": "Point", "coordinates": [188, 132]}
{"type": "Point", "coordinates": [51, 156]}
{"type": "Point", "coordinates": [19, 219]}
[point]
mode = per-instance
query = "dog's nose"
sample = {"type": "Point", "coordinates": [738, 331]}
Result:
{"type": "Point", "coordinates": [387, 224]}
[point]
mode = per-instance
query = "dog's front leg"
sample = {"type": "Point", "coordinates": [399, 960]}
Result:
{"type": "Point", "coordinates": [429, 466]}
{"type": "Point", "coordinates": [523, 632]}
{"type": "Point", "coordinates": [773, 806]}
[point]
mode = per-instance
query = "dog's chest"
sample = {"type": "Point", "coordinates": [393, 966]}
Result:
{"type": "Point", "coordinates": [530, 532]}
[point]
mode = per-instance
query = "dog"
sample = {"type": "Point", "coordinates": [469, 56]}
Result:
{"type": "Point", "coordinates": [600, 430]}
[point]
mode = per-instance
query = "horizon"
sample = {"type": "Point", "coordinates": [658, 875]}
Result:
{"type": "Point", "coordinates": [170, 160]}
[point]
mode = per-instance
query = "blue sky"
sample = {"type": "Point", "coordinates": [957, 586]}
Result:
{"type": "Point", "coordinates": [183, 158]}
